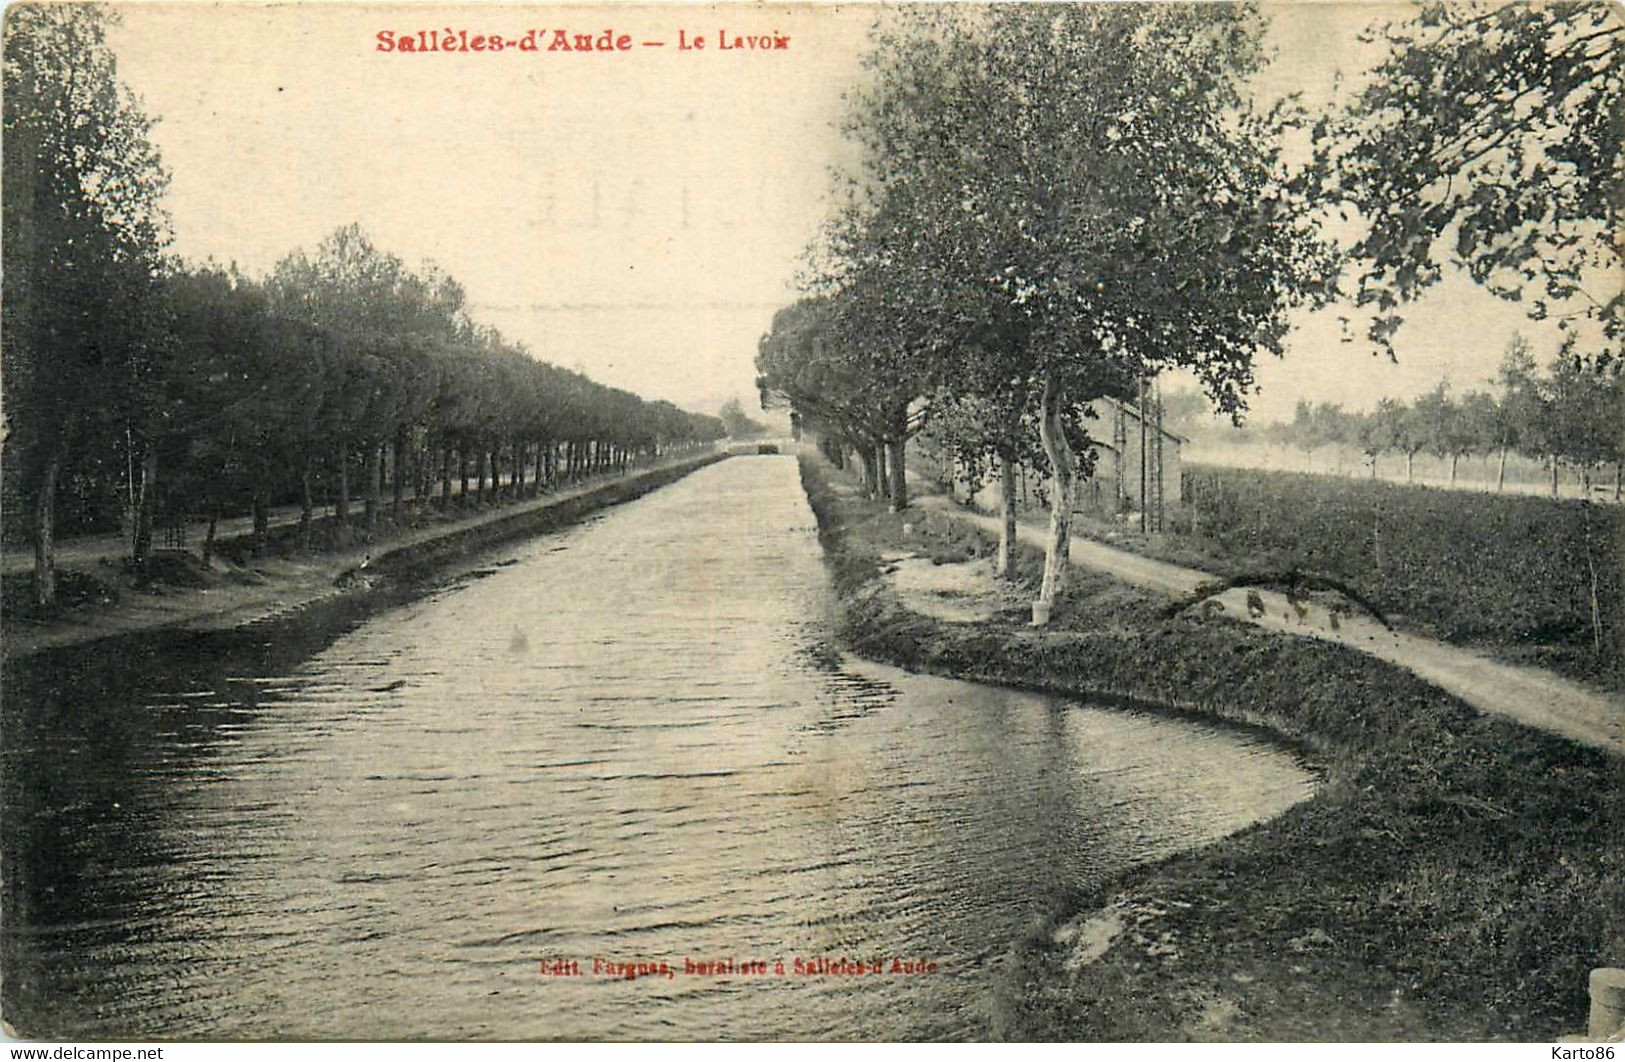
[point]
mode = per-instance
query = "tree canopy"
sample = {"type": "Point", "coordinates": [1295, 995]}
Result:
{"type": "Point", "coordinates": [1052, 204]}
{"type": "Point", "coordinates": [82, 245]}
{"type": "Point", "coordinates": [1490, 137]}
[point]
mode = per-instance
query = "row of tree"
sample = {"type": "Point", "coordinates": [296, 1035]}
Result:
{"type": "Point", "coordinates": [135, 384]}
{"type": "Point", "coordinates": [1054, 204]}
{"type": "Point", "coordinates": [1573, 414]}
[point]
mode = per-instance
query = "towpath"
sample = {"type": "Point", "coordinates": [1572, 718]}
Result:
{"type": "Point", "coordinates": [276, 585]}
{"type": "Point", "coordinates": [1530, 695]}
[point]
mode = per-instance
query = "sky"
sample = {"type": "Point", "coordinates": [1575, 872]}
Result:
{"type": "Point", "coordinates": [639, 214]}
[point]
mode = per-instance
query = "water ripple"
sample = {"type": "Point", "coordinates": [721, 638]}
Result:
{"type": "Point", "coordinates": [627, 742]}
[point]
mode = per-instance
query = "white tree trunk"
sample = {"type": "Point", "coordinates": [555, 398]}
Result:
{"type": "Point", "coordinates": [1063, 466]}
{"type": "Point", "coordinates": [146, 502]}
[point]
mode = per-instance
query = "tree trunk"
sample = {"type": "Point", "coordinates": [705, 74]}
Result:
{"type": "Point", "coordinates": [1004, 563]}
{"type": "Point", "coordinates": [462, 477]}
{"type": "Point", "coordinates": [305, 506]}
{"type": "Point", "coordinates": [423, 482]}
{"type": "Point", "coordinates": [262, 520]}
{"type": "Point", "coordinates": [1553, 461]}
{"type": "Point", "coordinates": [398, 488]}
{"type": "Point", "coordinates": [341, 510]}
{"type": "Point", "coordinates": [373, 467]}
{"type": "Point", "coordinates": [1501, 472]}
{"type": "Point", "coordinates": [208, 541]}
{"type": "Point", "coordinates": [896, 455]}
{"type": "Point", "coordinates": [1454, 460]}
{"type": "Point", "coordinates": [518, 469]}
{"type": "Point", "coordinates": [1410, 467]}
{"type": "Point", "coordinates": [1063, 465]}
{"type": "Point", "coordinates": [882, 479]}
{"type": "Point", "coordinates": [496, 474]}
{"type": "Point", "coordinates": [871, 479]}
{"type": "Point", "coordinates": [1619, 469]}
{"type": "Point", "coordinates": [146, 501]}
{"type": "Point", "coordinates": [45, 531]}
{"type": "Point", "coordinates": [445, 477]}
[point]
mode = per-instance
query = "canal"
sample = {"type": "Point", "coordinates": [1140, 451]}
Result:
{"type": "Point", "coordinates": [628, 741]}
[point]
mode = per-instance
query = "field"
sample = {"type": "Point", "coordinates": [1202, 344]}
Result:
{"type": "Point", "coordinates": [1538, 580]}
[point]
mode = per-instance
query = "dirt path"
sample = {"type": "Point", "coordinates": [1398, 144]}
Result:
{"type": "Point", "coordinates": [1532, 696]}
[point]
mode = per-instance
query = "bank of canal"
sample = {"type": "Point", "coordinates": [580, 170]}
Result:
{"type": "Point", "coordinates": [1456, 877]}
{"type": "Point", "coordinates": [628, 740]}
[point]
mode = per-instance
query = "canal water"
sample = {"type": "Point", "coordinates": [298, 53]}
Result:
{"type": "Point", "coordinates": [627, 742]}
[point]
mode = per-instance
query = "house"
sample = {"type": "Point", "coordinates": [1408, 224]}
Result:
{"type": "Point", "coordinates": [1137, 464]}
{"type": "Point", "coordinates": [1120, 437]}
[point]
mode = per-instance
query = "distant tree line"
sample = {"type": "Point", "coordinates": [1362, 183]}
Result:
{"type": "Point", "coordinates": [137, 387]}
{"type": "Point", "coordinates": [1573, 414]}
{"type": "Point", "coordinates": [737, 423]}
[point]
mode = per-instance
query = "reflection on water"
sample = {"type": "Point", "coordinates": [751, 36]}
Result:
{"type": "Point", "coordinates": [628, 744]}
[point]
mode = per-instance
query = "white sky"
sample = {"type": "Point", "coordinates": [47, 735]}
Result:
{"type": "Point", "coordinates": [638, 216]}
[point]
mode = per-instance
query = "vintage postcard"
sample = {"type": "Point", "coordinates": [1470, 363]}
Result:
{"type": "Point", "coordinates": [812, 522]}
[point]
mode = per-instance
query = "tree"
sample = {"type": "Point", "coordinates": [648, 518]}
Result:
{"type": "Point", "coordinates": [387, 321]}
{"type": "Point", "coordinates": [1414, 430]}
{"type": "Point", "coordinates": [1090, 179]}
{"type": "Point", "coordinates": [1520, 408]}
{"type": "Point", "coordinates": [1382, 430]}
{"type": "Point", "coordinates": [737, 423]}
{"type": "Point", "coordinates": [1332, 427]}
{"type": "Point", "coordinates": [812, 361]}
{"type": "Point", "coordinates": [1583, 393]}
{"type": "Point", "coordinates": [1478, 429]}
{"type": "Point", "coordinates": [82, 239]}
{"type": "Point", "coordinates": [1313, 426]}
{"type": "Point", "coordinates": [1489, 136]}
{"type": "Point", "coordinates": [1433, 417]}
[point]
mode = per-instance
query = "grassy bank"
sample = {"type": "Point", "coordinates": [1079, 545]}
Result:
{"type": "Point", "coordinates": [1455, 877]}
